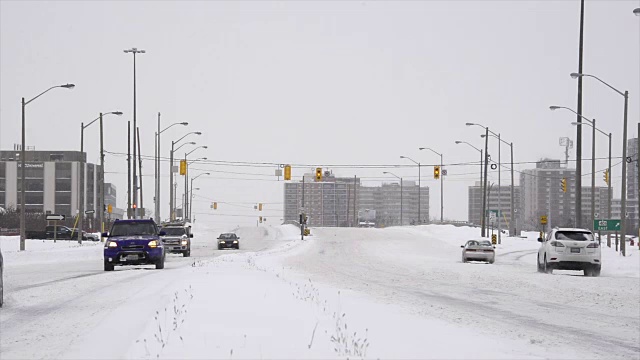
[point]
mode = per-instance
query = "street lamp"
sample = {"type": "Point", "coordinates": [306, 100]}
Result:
{"type": "Point", "coordinates": [22, 163]}
{"type": "Point", "coordinates": [481, 161]}
{"type": "Point", "coordinates": [484, 190]}
{"type": "Point", "coordinates": [401, 206]}
{"type": "Point", "coordinates": [134, 51]}
{"type": "Point", "coordinates": [101, 174]}
{"type": "Point", "coordinates": [186, 182]}
{"type": "Point", "coordinates": [592, 123]}
{"type": "Point", "coordinates": [623, 200]}
{"type": "Point", "coordinates": [636, 11]}
{"type": "Point", "coordinates": [588, 123]}
{"type": "Point", "coordinates": [191, 201]}
{"type": "Point", "coordinates": [158, 167]}
{"type": "Point", "coordinates": [513, 217]}
{"type": "Point", "coordinates": [419, 185]}
{"type": "Point", "coordinates": [441, 182]}
{"type": "Point", "coordinates": [171, 189]}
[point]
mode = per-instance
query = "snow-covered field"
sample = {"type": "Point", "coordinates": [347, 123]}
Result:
{"type": "Point", "coordinates": [342, 293]}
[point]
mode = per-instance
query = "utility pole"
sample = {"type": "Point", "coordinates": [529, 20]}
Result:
{"type": "Point", "coordinates": [140, 164]}
{"type": "Point", "coordinates": [81, 187]}
{"type": "Point", "coordinates": [499, 191]}
{"type": "Point", "coordinates": [134, 51]}
{"type": "Point", "coordinates": [129, 193]}
{"type": "Point", "coordinates": [157, 180]}
{"type": "Point", "coordinates": [484, 191]}
{"type": "Point", "coordinates": [355, 197]}
{"type": "Point", "coordinates": [623, 200]}
{"type": "Point", "coordinates": [578, 210]}
{"type": "Point", "coordinates": [101, 201]}
{"type": "Point", "coordinates": [513, 214]}
{"type": "Point", "coordinates": [171, 187]}
{"type": "Point", "coordinates": [593, 174]}
{"type": "Point", "coordinates": [609, 191]}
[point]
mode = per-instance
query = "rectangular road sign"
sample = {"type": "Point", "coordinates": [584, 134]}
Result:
{"type": "Point", "coordinates": [55, 217]}
{"type": "Point", "coordinates": [89, 212]}
{"type": "Point", "coordinates": [543, 219]}
{"type": "Point", "coordinates": [606, 225]}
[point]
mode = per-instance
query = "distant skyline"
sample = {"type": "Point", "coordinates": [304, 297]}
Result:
{"type": "Point", "coordinates": [312, 84]}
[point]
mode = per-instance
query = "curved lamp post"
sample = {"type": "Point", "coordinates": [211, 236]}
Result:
{"type": "Point", "coordinates": [22, 163]}
{"type": "Point", "coordinates": [623, 195]}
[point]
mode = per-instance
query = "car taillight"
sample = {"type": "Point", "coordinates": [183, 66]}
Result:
{"type": "Point", "coordinates": [593, 245]}
{"type": "Point", "coordinates": [557, 244]}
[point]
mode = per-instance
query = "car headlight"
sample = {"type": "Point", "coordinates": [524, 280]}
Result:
{"type": "Point", "coordinates": [112, 244]}
{"type": "Point", "coordinates": [153, 243]}
{"type": "Point", "coordinates": [235, 241]}
{"type": "Point", "coordinates": [221, 241]}
{"type": "Point", "coordinates": [184, 242]}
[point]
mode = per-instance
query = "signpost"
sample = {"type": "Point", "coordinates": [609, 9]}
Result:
{"type": "Point", "coordinates": [55, 218]}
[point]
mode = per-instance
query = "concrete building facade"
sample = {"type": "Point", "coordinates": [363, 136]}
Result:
{"type": "Point", "coordinates": [52, 180]}
{"type": "Point", "coordinates": [499, 198]}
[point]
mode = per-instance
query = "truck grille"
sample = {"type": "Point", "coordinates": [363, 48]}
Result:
{"type": "Point", "coordinates": [133, 247]}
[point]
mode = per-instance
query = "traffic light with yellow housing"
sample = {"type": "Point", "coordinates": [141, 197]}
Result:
{"type": "Point", "coordinates": [183, 167]}
{"type": "Point", "coordinates": [215, 206]}
{"type": "Point", "coordinates": [260, 207]}
{"type": "Point", "coordinates": [287, 172]}
{"type": "Point", "coordinates": [563, 184]}
{"type": "Point", "coordinates": [606, 176]}
{"type": "Point", "coordinates": [318, 174]}
{"type": "Point", "coordinates": [436, 172]}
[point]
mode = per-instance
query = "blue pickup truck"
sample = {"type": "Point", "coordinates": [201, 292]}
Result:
{"type": "Point", "coordinates": [134, 242]}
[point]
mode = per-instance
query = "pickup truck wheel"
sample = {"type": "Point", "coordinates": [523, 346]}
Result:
{"type": "Point", "coordinates": [160, 264]}
{"type": "Point", "coordinates": [108, 266]}
{"type": "Point", "coordinates": [187, 253]}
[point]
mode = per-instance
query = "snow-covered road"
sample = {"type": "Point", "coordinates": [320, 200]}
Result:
{"type": "Point", "coordinates": [420, 268]}
{"type": "Point", "coordinates": [375, 293]}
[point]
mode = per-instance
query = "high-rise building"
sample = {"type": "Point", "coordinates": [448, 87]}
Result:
{"type": "Point", "coordinates": [541, 194]}
{"type": "Point", "coordinates": [499, 198]}
{"type": "Point", "coordinates": [328, 202]}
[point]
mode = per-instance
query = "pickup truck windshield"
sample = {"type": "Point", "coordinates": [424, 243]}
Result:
{"type": "Point", "coordinates": [133, 228]}
{"type": "Point", "coordinates": [174, 231]}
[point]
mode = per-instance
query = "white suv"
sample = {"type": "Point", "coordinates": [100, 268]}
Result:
{"type": "Point", "coordinates": [569, 249]}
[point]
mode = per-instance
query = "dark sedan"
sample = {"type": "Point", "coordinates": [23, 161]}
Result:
{"type": "Point", "coordinates": [228, 241]}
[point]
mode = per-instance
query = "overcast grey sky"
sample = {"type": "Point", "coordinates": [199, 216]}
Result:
{"type": "Point", "coordinates": [317, 83]}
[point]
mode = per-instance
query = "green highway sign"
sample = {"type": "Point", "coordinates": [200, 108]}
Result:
{"type": "Point", "coordinates": [606, 225]}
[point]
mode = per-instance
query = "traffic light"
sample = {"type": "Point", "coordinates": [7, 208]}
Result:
{"type": "Point", "coordinates": [183, 167]}
{"type": "Point", "coordinates": [215, 206]}
{"type": "Point", "coordinates": [436, 172]}
{"type": "Point", "coordinates": [109, 208]}
{"type": "Point", "coordinates": [287, 172]}
{"type": "Point", "coordinates": [260, 218]}
{"type": "Point", "coordinates": [260, 207]}
{"type": "Point", "coordinates": [606, 176]}
{"type": "Point", "coordinates": [318, 174]}
{"type": "Point", "coordinates": [563, 184]}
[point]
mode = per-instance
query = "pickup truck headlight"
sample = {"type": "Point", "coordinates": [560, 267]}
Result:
{"type": "Point", "coordinates": [112, 244]}
{"type": "Point", "coordinates": [183, 242]}
{"type": "Point", "coordinates": [153, 243]}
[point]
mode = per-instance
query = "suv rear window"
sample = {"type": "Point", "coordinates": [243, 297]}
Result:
{"type": "Point", "coordinates": [574, 235]}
